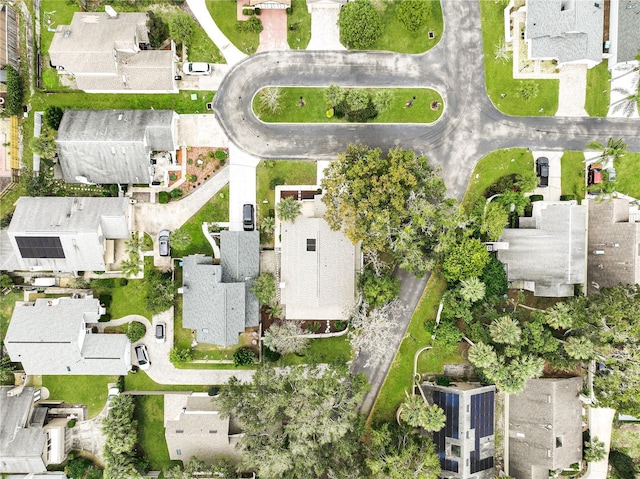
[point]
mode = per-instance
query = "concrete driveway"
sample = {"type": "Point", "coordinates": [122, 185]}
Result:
{"type": "Point", "coordinates": [204, 82]}
{"type": "Point", "coordinates": [573, 91]}
{"type": "Point", "coordinates": [274, 33]}
{"type": "Point", "coordinates": [325, 34]}
{"type": "Point", "coordinates": [242, 178]}
{"type": "Point", "coordinates": [201, 130]}
{"type": "Point", "coordinates": [554, 190]}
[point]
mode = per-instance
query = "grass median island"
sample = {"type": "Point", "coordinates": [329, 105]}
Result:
{"type": "Point", "coordinates": [315, 106]}
{"type": "Point", "coordinates": [499, 74]}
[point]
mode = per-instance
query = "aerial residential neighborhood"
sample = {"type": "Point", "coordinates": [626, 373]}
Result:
{"type": "Point", "coordinates": [319, 239]}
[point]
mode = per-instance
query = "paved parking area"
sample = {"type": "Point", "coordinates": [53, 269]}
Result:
{"type": "Point", "coordinates": [325, 34]}
{"type": "Point", "coordinates": [554, 190]}
{"type": "Point", "coordinates": [242, 180]}
{"type": "Point", "coordinates": [204, 82]}
{"type": "Point", "coordinates": [274, 33]}
{"type": "Point", "coordinates": [201, 130]}
{"type": "Point", "coordinates": [573, 90]}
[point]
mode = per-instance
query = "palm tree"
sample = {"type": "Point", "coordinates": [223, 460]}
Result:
{"type": "Point", "coordinates": [501, 52]}
{"type": "Point", "coordinates": [288, 209]}
{"type": "Point", "coordinates": [270, 99]}
{"type": "Point", "coordinates": [483, 355]}
{"type": "Point", "coordinates": [629, 103]}
{"type": "Point", "coordinates": [417, 413]}
{"type": "Point", "coordinates": [559, 316]}
{"type": "Point", "coordinates": [505, 330]}
{"type": "Point", "coordinates": [579, 348]}
{"type": "Point", "coordinates": [472, 290]}
{"type": "Point", "coordinates": [131, 266]}
{"type": "Point", "coordinates": [594, 450]}
{"type": "Point", "coordinates": [267, 224]}
{"type": "Point", "coordinates": [180, 239]}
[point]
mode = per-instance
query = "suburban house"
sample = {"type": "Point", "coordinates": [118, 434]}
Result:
{"type": "Point", "coordinates": [623, 31]}
{"type": "Point", "coordinates": [270, 4]}
{"type": "Point", "coordinates": [29, 441]}
{"type": "Point", "coordinates": [65, 234]}
{"type": "Point", "coordinates": [194, 428]}
{"type": "Point", "coordinates": [54, 336]}
{"type": "Point", "coordinates": [466, 444]}
{"type": "Point", "coordinates": [9, 39]}
{"type": "Point", "coordinates": [546, 254]}
{"type": "Point", "coordinates": [568, 31]}
{"type": "Point", "coordinates": [118, 146]}
{"type": "Point", "coordinates": [545, 428]}
{"type": "Point", "coordinates": [217, 299]}
{"type": "Point", "coordinates": [318, 266]}
{"type": "Point", "coordinates": [109, 52]}
{"type": "Point", "coordinates": [613, 245]}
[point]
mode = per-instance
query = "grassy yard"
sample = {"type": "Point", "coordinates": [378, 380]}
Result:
{"type": "Point", "coordinates": [289, 172]}
{"type": "Point", "coordinates": [334, 350]}
{"type": "Point", "coordinates": [7, 303]}
{"type": "Point", "coordinates": [125, 300]}
{"type": "Point", "coordinates": [216, 209]}
{"type": "Point", "coordinates": [149, 413]}
{"type": "Point", "coordinates": [300, 19]}
{"type": "Point", "coordinates": [400, 374]}
{"type": "Point", "coordinates": [628, 175]}
{"type": "Point", "coordinates": [179, 102]}
{"type": "Point", "coordinates": [493, 166]}
{"type": "Point", "coordinates": [499, 75]}
{"type": "Point", "coordinates": [89, 390]}
{"type": "Point", "coordinates": [573, 174]}
{"type": "Point", "coordinates": [625, 437]}
{"type": "Point", "coordinates": [203, 49]}
{"type": "Point", "coordinates": [224, 13]}
{"type": "Point", "coordinates": [395, 36]}
{"type": "Point", "coordinates": [315, 110]}
{"type": "Point", "coordinates": [54, 13]}
{"type": "Point", "coordinates": [598, 89]}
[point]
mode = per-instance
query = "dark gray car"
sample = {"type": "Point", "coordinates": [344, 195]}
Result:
{"type": "Point", "coordinates": [542, 170]}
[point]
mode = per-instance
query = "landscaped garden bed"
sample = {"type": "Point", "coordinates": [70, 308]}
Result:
{"type": "Point", "coordinates": [202, 164]}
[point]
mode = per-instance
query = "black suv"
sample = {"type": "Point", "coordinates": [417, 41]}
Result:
{"type": "Point", "coordinates": [542, 170]}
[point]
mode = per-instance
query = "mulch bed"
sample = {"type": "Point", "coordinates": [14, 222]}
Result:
{"type": "Point", "coordinates": [201, 165]}
{"type": "Point", "coordinates": [268, 320]}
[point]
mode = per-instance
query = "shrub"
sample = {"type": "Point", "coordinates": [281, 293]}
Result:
{"type": "Point", "coordinates": [53, 116]}
{"type": "Point", "coordinates": [413, 13]}
{"type": "Point", "coordinates": [533, 198]}
{"type": "Point", "coordinates": [180, 355]}
{"type": "Point", "coordinates": [192, 178]}
{"type": "Point", "coordinates": [173, 176]}
{"type": "Point", "coordinates": [163, 197]}
{"type": "Point", "coordinates": [379, 290]}
{"type": "Point", "coordinates": [77, 467]}
{"type": "Point", "coordinates": [256, 11]}
{"type": "Point", "coordinates": [289, 10]}
{"type": "Point", "coordinates": [248, 12]}
{"type": "Point", "coordinates": [220, 155]}
{"type": "Point", "coordinates": [213, 391]}
{"type": "Point", "coordinates": [567, 197]}
{"type": "Point", "coordinates": [504, 183]}
{"type": "Point", "coordinates": [158, 29]}
{"type": "Point", "coordinates": [244, 357]}
{"type": "Point", "coordinates": [443, 381]}
{"type": "Point", "coordinates": [360, 24]}
{"type": "Point", "coordinates": [494, 278]}
{"type": "Point", "coordinates": [71, 423]}
{"type": "Point", "coordinates": [14, 92]}
{"type": "Point", "coordinates": [176, 193]}
{"type": "Point", "coordinates": [622, 465]}
{"type": "Point", "coordinates": [340, 325]}
{"type": "Point", "coordinates": [136, 331]}
{"type": "Point", "coordinates": [448, 335]}
{"type": "Point", "coordinates": [270, 355]}
{"type": "Point", "coordinates": [253, 25]}
{"type": "Point", "coordinates": [275, 182]}
{"type": "Point", "coordinates": [312, 326]}
{"type": "Point", "coordinates": [120, 383]}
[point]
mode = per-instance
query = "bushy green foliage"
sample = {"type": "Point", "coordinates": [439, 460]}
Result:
{"type": "Point", "coordinates": [136, 331]}
{"type": "Point", "coordinates": [13, 103]}
{"type": "Point", "coordinates": [180, 355]}
{"type": "Point", "coordinates": [253, 25]}
{"type": "Point", "coordinates": [264, 287]}
{"type": "Point", "coordinates": [622, 466]}
{"type": "Point", "coordinates": [160, 291]}
{"type": "Point", "coordinates": [360, 24]}
{"type": "Point", "coordinates": [466, 259]}
{"type": "Point", "coordinates": [220, 155]}
{"type": "Point", "coordinates": [244, 357]}
{"type": "Point", "coordinates": [44, 146]}
{"type": "Point", "coordinates": [494, 278]}
{"type": "Point", "coordinates": [378, 290]}
{"type": "Point", "coordinates": [181, 27]}
{"type": "Point", "coordinates": [77, 467]}
{"type": "Point", "coordinates": [158, 29]}
{"type": "Point", "coordinates": [413, 13]}
{"type": "Point", "coordinates": [448, 335]}
{"type": "Point", "coordinates": [273, 182]}
{"type": "Point", "coordinates": [53, 116]}
{"type": "Point", "coordinates": [163, 197]}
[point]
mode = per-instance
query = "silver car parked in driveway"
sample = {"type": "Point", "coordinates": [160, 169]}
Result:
{"type": "Point", "coordinates": [142, 356]}
{"type": "Point", "coordinates": [163, 238]}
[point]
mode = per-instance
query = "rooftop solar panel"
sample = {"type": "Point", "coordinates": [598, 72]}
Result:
{"type": "Point", "coordinates": [40, 247]}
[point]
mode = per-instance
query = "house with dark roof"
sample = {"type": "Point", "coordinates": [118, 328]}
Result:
{"type": "Point", "coordinates": [64, 234]}
{"type": "Point", "coordinates": [29, 441]}
{"type": "Point", "coordinates": [546, 253]}
{"type": "Point", "coordinates": [545, 427]}
{"type": "Point", "coordinates": [106, 53]}
{"type": "Point", "coordinates": [613, 245]}
{"type": "Point", "coordinates": [466, 444]}
{"type": "Point", "coordinates": [116, 146]}
{"type": "Point", "coordinates": [217, 299]}
{"type": "Point", "coordinates": [568, 31]}
{"type": "Point", "coordinates": [318, 266]}
{"type": "Point", "coordinates": [194, 428]}
{"type": "Point", "coordinates": [54, 336]}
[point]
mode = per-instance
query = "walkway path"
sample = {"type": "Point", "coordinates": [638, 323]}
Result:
{"type": "Point", "coordinates": [242, 178]}
{"type": "Point", "coordinates": [230, 53]}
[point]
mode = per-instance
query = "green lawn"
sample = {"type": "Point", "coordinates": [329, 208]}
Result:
{"type": "Point", "coordinates": [179, 102]}
{"type": "Point", "coordinates": [149, 413]}
{"type": "Point", "coordinates": [499, 76]}
{"type": "Point", "coordinates": [315, 110]}
{"type": "Point", "coordinates": [203, 49]}
{"type": "Point", "coordinates": [300, 19]}
{"type": "Point", "coordinates": [573, 174]}
{"type": "Point", "coordinates": [215, 210]}
{"type": "Point", "coordinates": [63, 14]}
{"type": "Point", "coordinates": [598, 90]}
{"type": "Point", "coordinates": [395, 36]}
{"type": "Point", "coordinates": [492, 167]}
{"type": "Point", "coordinates": [628, 175]}
{"type": "Point", "coordinates": [7, 303]}
{"type": "Point", "coordinates": [224, 13]}
{"type": "Point", "coordinates": [335, 350]}
{"type": "Point", "coordinates": [400, 374]}
{"type": "Point", "coordinates": [129, 299]}
{"type": "Point", "coordinates": [290, 172]}
{"type": "Point", "coordinates": [89, 390]}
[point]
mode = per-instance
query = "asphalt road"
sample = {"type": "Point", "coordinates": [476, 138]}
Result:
{"type": "Point", "coordinates": [469, 128]}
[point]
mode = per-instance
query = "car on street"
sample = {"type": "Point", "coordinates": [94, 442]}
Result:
{"type": "Point", "coordinates": [161, 329]}
{"type": "Point", "coordinates": [542, 170]}
{"type": "Point", "coordinates": [142, 356]}
{"type": "Point", "coordinates": [164, 247]}
{"type": "Point", "coordinates": [196, 68]}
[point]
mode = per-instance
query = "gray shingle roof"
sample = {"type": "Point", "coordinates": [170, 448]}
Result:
{"type": "Point", "coordinates": [82, 224]}
{"type": "Point", "coordinates": [49, 337]}
{"type": "Point", "coordinates": [628, 39]}
{"type": "Point", "coordinates": [553, 253]}
{"type": "Point", "coordinates": [568, 31]}
{"type": "Point", "coordinates": [319, 284]}
{"type": "Point", "coordinates": [613, 245]}
{"type": "Point", "coordinates": [545, 427]}
{"type": "Point", "coordinates": [214, 309]}
{"type": "Point", "coordinates": [113, 146]}
{"type": "Point", "coordinates": [20, 446]}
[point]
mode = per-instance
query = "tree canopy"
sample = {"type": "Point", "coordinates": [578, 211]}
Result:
{"type": "Point", "coordinates": [360, 24]}
{"type": "Point", "coordinates": [394, 203]}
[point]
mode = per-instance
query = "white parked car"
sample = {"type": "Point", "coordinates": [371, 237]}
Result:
{"type": "Point", "coordinates": [196, 68]}
{"type": "Point", "coordinates": [142, 355]}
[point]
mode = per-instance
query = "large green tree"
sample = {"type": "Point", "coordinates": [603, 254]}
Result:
{"type": "Point", "coordinates": [121, 437]}
{"type": "Point", "coordinates": [360, 24]}
{"type": "Point", "coordinates": [394, 203]}
{"type": "Point", "coordinates": [299, 422]}
{"type": "Point", "coordinates": [417, 413]}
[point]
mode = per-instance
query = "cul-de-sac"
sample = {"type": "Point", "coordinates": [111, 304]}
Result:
{"type": "Point", "coordinates": [319, 239]}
